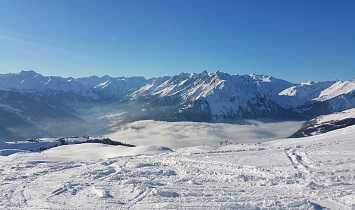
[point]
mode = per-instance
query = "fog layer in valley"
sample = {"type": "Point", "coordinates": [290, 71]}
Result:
{"type": "Point", "coordinates": [184, 134]}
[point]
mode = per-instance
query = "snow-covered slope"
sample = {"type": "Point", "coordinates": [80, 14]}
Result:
{"type": "Point", "coordinates": [350, 113]}
{"type": "Point", "coordinates": [220, 97]}
{"type": "Point", "coordinates": [308, 173]}
{"type": "Point", "coordinates": [298, 95]}
{"type": "Point", "coordinates": [326, 123]}
{"type": "Point", "coordinates": [315, 98]}
{"type": "Point", "coordinates": [215, 96]}
{"type": "Point", "coordinates": [337, 89]}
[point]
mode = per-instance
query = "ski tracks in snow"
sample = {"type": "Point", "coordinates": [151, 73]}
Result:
{"type": "Point", "coordinates": [327, 183]}
{"type": "Point", "coordinates": [250, 177]}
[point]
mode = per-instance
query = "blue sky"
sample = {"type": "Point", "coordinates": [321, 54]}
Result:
{"type": "Point", "coordinates": [293, 40]}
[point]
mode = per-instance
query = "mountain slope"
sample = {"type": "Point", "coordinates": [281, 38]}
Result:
{"type": "Point", "coordinates": [326, 123]}
{"type": "Point", "coordinates": [215, 96]}
{"type": "Point", "coordinates": [205, 96]}
{"type": "Point", "coordinates": [317, 98]}
{"type": "Point", "coordinates": [92, 87]}
{"type": "Point", "coordinates": [32, 115]}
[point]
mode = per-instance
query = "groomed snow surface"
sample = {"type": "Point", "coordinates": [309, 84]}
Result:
{"type": "Point", "coordinates": [306, 173]}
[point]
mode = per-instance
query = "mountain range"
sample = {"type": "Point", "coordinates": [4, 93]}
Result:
{"type": "Point", "coordinates": [50, 105]}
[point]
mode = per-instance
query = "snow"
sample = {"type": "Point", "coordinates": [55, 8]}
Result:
{"type": "Point", "coordinates": [300, 94]}
{"type": "Point", "coordinates": [182, 165]}
{"type": "Point", "coordinates": [350, 113]}
{"type": "Point", "coordinates": [307, 92]}
{"type": "Point", "coordinates": [226, 95]}
{"type": "Point", "coordinates": [339, 88]}
{"type": "Point", "coordinates": [306, 173]}
{"type": "Point", "coordinates": [32, 81]}
{"type": "Point", "coordinates": [88, 152]}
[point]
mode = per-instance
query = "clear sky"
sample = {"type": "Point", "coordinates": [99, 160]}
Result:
{"type": "Point", "coordinates": [293, 40]}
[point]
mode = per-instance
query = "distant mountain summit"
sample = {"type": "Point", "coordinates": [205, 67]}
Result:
{"type": "Point", "coordinates": [42, 102]}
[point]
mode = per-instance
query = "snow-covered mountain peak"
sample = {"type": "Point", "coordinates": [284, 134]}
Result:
{"type": "Point", "coordinates": [338, 95]}
{"type": "Point", "coordinates": [305, 89]}
{"type": "Point", "coordinates": [337, 89]}
{"type": "Point", "coordinates": [291, 91]}
{"type": "Point", "coordinates": [307, 83]}
{"type": "Point", "coordinates": [261, 78]}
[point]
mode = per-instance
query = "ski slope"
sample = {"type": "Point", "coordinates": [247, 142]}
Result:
{"type": "Point", "coordinates": [306, 173]}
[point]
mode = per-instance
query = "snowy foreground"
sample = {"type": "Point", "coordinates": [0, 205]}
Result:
{"type": "Point", "coordinates": [306, 173]}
